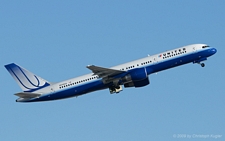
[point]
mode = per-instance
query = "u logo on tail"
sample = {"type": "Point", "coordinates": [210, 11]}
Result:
{"type": "Point", "coordinates": [25, 79]}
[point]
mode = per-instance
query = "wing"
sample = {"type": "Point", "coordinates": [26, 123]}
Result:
{"type": "Point", "coordinates": [27, 95]}
{"type": "Point", "coordinates": [104, 72]}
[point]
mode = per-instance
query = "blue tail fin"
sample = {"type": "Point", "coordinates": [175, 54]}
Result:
{"type": "Point", "coordinates": [27, 81]}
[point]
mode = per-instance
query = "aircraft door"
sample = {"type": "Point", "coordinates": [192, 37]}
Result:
{"type": "Point", "coordinates": [194, 49]}
{"type": "Point", "coordinates": [155, 60]}
{"type": "Point", "coordinates": [52, 90]}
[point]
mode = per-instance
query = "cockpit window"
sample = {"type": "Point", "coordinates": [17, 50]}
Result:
{"type": "Point", "coordinates": [205, 46]}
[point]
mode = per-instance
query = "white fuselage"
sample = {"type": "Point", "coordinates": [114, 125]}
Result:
{"type": "Point", "coordinates": [195, 53]}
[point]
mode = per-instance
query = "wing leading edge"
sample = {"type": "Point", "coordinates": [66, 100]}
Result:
{"type": "Point", "coordinates": [104, 72]}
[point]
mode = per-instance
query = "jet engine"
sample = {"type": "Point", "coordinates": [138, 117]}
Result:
{"type": "Point", "coordinates": [136, 78]}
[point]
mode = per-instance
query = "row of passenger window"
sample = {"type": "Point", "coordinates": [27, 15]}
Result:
{"type": "Point", "coordinates": [165, 55]}
{"type": "Point", "coordinates": [130, 67]}
{"type": "Point", "coordinates": [71, 84]}
{"type": "Point", "coordinates": [146, 63]}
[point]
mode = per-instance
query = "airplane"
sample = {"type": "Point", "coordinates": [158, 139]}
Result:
{"type": "Point", "coordinates": [131, 74]}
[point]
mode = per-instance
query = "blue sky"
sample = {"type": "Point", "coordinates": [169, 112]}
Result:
{"type": "Point", "coordinates": [58, 39]}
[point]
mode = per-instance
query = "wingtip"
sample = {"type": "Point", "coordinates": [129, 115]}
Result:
{"type": "Point", "coordinates": [88, 66]}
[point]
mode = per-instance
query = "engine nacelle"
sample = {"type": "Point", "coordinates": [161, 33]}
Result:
{"type": "Point", "coordinates": [136, 78]}
{"type": "Point", "coordinates": [137, 84]}
{"type": "Point", "coordinates": [135, 75]}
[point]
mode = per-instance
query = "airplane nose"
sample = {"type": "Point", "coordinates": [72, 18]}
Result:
{"type": "Point", "coordinates": [213, 50]}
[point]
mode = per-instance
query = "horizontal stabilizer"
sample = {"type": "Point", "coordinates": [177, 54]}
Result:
{"type": "Point", "coordinates": [27, 95]}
